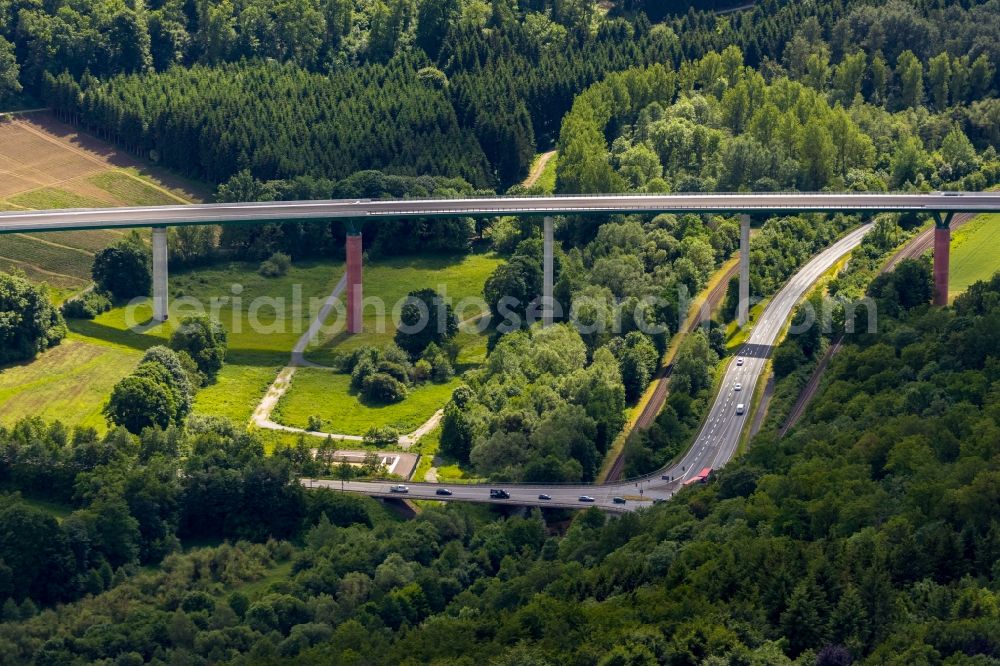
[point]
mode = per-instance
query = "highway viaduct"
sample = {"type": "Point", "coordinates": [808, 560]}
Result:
{"type": "Point", "coordinates": [355, 213]}
{"type": "Point", "coordinates": [715, 444]}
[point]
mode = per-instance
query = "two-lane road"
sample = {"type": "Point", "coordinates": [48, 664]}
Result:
{"type": "Point", "coordinates": [715, 445]}
{"type": "Point", "coordinates": [567, 496]}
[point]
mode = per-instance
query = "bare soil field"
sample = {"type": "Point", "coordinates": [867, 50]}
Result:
{"type": "Point", "coordinates": [47, 164]}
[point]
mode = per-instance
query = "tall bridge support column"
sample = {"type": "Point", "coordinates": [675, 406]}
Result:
{"type": "Point", "coordinates": [354, 296]}
{"type": "Point", "coordinates": [548, 302]}
{"type": "Point", "coordinates": [942, 257]}
{"type": "Point", "coordinates": [743, 309]}
{"type": "Point", "coordinates": [160, 304]}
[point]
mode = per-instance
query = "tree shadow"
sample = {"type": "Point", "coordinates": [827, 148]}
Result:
{"type": "Point", "coordinates": [140, 341]}
{"type": "Point", "coordinates": [126, 338]}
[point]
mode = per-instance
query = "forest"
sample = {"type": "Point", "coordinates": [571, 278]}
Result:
{"type": "Point", "coordinates": [500, 74]}
{"type": "Point", "coordinates": [867, 535]}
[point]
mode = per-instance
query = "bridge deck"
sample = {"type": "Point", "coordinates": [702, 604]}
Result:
{"type": "Point", "coordinates": [364, 209]}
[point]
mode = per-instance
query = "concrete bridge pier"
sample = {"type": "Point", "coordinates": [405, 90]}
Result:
{"type": "Point", "coordinates": [353, 286]}
{"type": "Point", "coordinates": [743, 308]}
{"type": "Point", "coordinates": [942, 257]}
{"type": "Point", "coordinates": [160, 295]}
{"type": "Point", "coordinates": [548, 303]}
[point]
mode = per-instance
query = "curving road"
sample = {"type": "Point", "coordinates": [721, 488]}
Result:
{"type": "Point", "coordinates": [916, 247]}
{"type": "Point", "coordinates": [715, 445]}
{"type": "Point", "coordinates": [364, 209]}
{"type": "Point", "coordinates": [718, 440]}
{"type": "Point", "coordinates": [662, 377]}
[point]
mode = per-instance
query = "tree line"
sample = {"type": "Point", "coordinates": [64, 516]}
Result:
{"type": "Point", "coordinates": [129, 503]}
{"type": "Point", "coordinates": [29, 324]}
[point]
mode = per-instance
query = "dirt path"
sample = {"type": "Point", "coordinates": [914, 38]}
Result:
{"type": "Point", "coordinates": [298, 351]}
{"type": "Point", "coordinates": [538, 168]}
{"type": "Point", "coordinates": [923, 242]}
{"type": "Point", "coordinates": [917, 245]}
{"type": "Point", "coordinates": [262, 414]}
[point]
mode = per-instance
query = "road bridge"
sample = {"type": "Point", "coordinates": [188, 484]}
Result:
{"type": "Point", "coordinates": [719, 437]}
{"type": "Point", "coordinates": [356, 212]}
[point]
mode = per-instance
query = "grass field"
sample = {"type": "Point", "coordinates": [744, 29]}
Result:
{"type": "Point", "coordinates": [238, 389]}
{"type": "Point", "coordinates": [427, 447]}
{"type": "Point", "coordinates": [57, 197]}
{"type": "Point", "coordinates": [255, 354]}
{"type": "Point", "coordinates": [128, 186]}
{"type": "Point", "coordinates": [974, 253]}
{"type": "Point", "coordinates": [87, 241]}
{"type": "Point", "coordinates": [46, 255]}
{"type": "Point", "coordinates": [328, 395]}
{"type": "Point", "coordinates": [62, 286]}
{"type": "Point", "coordinates": [547, 181]}
{"type": "Point", "coordinates": [390, 280]}
{"type": "Point", "coordinates": [69, 382]}
{"type": "Point", "coordinates": [72, 381]}
{"type": "Point", "coordinates": [264, 317]}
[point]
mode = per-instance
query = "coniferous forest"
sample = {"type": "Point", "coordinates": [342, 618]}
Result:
{"type": "Point", "coordinates": [868, 534]}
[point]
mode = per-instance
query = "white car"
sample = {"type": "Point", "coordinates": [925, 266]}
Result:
{"type": "Point", "coordinates": [739, 360]}
{"type": "Point", "coordinates": [399, 489]}
{"type": "Point", "coordinates": [737, 386]}
{"type": "Point", "coordinates": [740, 408]}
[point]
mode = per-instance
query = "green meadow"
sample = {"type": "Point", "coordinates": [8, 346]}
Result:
{"type": "Point", "coordinates": [974, 253]}
{"type": "Point", "coordinates": [72, 381]}
{"type": "Point", "coordinates": [264, 317]}
{"type": "Point", "coordinates": [69, 383]}
{"type": "Point", "coordinates": [389, 281]}
{"type": "Point", "coordinates": [327, 394]}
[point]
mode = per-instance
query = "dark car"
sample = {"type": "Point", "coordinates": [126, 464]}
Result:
{"type": "Point", "coordinates": [443, 491]}
{"type": "Point", "coordinates": [586, 498]}
{"type": "Point", "coordinates": [543, 496]}
{"type": "Point", "coordinates": [618, 500]}
{"type": "Point", "coordinates": [496, 493]}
